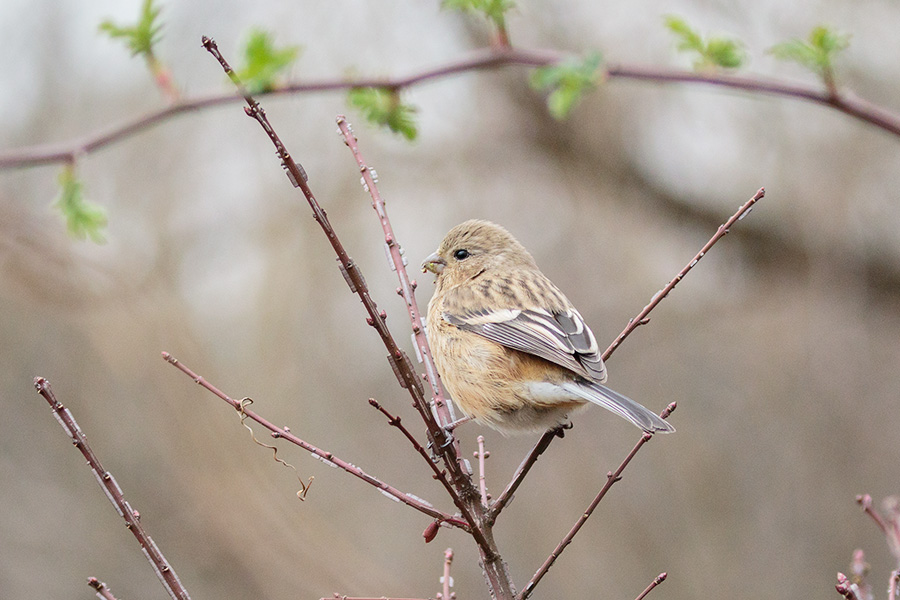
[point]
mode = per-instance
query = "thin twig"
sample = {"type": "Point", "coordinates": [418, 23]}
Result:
{"type": "Point", "coordinates": [481, 455]}
{"type": "Point", "coordinates": [507, 495]}
{"type": "Point", "coordinates": [611, 478]}
{"type": "Point", "coordinates": [659, 579]}
{"type": "Point", "coordinates": [407, 287]}
{"type": "Point", "coordinates": [438, 473]}
{"type": "Point", "coordinates": [329, 458]}
{"type": "Point", "coordinates": [493, 58]}
{"type": "Point", "coordinates": [893, 585]}
{"type": "Point", "coordinates": [160, 565]}
{"type": "Point", "coordinates": [103, 591]}
{"type": "Point", "coordinates": [865, 500]}
{"type": "Point", "coordinates": [446, 580]}
{"type": "Point", "coordinates": [641, 318]}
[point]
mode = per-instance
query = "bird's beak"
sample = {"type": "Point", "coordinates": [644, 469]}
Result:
{"type": "Point", "coordinates": [434, 263]}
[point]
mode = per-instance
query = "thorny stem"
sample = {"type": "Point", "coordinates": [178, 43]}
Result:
{"type": "Point", "coordinates": [398, 359]}
{"type": "Point", "coordinates": [160, 565]}
{"type": "Point", "coordinates": [398, 263]}
{"type": "Point", "coordinates": [327, 457]}
{"type": "Point", "coordinates": [438, 473]}
{"type": "Point", "coordinates": [641, 318]}
{"type": "Point", "coordinates": [493, 58]}
{"type": "Point", "coordinates": [611, 478]}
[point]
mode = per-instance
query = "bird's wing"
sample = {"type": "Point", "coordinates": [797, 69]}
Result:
{"type": "Point", "coordinates": [560, 337]}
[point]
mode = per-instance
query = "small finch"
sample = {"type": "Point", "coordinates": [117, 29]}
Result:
{"type": "Point", "coordinates": [511, 349]}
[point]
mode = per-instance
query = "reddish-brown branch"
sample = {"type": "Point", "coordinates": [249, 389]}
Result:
{"type": "Point", "coordinates": [493, 58]}
{"type": "Point", "coordinates": [611, 478]}
{"type": "Point", "coordinates": [641, 318]}
{"type": "Point", "coordinates": [659, 579]}
{"type": "Point", "coordinates": [328, 457]}
{"type": "Point", "coordinates": [103, 590]}
{"type": "Point", "coordinates": [865, 500]}
{"type": "Point", "coordinates": [398, 264]}
{"type": "Point", "coordinates": [438, 473]}
{"type": "Point", "coordinates": [398, 359]}
{"type": "Point", "coordinates": [160, 565]}
{"type": "Point", "coordinates": [507, 495]}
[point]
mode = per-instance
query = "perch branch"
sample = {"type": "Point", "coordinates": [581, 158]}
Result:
{"type": "Point", "coordinates": [611, 478]}
{"type": "Point", "coordinates": [398, 263]}
{"type": "Point", "coordinates": [160, 565]}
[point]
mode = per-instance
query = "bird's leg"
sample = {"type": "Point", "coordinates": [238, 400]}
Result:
{"type": "Point", "coordinates": [560, 430]}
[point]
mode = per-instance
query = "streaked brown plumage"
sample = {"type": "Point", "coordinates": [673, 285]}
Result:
{"type": "Point", "coordinates": [511, 349]}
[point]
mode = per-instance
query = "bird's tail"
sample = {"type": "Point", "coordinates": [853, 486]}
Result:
{"type": "Point", "coordinates": [624, 407]}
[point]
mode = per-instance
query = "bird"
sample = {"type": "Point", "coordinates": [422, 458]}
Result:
{"type": "Point", "coordinates": [511, 349]}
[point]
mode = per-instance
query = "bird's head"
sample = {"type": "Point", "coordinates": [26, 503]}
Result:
{"type": "Point", "coordinates": [473, 248]}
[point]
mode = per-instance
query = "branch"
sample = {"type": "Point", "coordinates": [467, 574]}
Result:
{"type": "Point", "coordinates": [161, 566]}
{"type": "Point", "coordinates": [659, 579]}
{"type": "Point", "coordinates": [494, 58]}
{"type": "Point", "coordinates": [641, 318]}
{"type": "Point", "coordinates": [398, 263]}
{"type": "Point", "coordinates": [438, 473]}
{"type": "Point", "coordinates": [611, 478]}
{"type": "Point", "coordinates": [329, 458]}
{"type": "Point", "coordinates": [446, 580]}
{"type": "Point", "coordinates": [865, 501]}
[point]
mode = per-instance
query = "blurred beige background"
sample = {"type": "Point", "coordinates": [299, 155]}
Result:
{"type": "Point", "coordinates": [782, 348]}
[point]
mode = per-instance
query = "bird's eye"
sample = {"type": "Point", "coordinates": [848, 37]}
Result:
{"type": "Point", "coordinates": [461, 254]}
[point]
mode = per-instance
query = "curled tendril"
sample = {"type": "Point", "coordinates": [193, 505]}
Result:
{"type": "Point", "coordinates": [304, 487]}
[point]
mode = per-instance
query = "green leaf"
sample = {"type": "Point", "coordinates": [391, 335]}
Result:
{"type": "Point", "coordinates": [567, 82]}
{"type": "Point", "coordinates": [711, 53]}
{"type": "Point", "coordinates": [816, 53]}
{"type": "Point", "coordinates": [83, 219]}
{"type": "Point", "coordinates": [141, 36]}
{"type": "Point", "coordinates": [264, 62]}
{"type": "Point", "coordinates": [495, 10]}
{"type": "Point", "coordinates": [383, 107]}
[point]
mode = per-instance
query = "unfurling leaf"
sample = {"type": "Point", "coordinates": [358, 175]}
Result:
{"type": "Point", "coordinates": [83, 218]}
{"type": "Point", "coordinates": [264, 63]}
{"type": "Point", "coordinates": [141, 36]}
{"type": "Point", "coordinates": [711, 53]}
{"type": "Point", "coordinates": [816, 53]}
{"type": "Point", "coordinates": [383, 107]}
{"type": "Point", "coordinates": [567, 82]}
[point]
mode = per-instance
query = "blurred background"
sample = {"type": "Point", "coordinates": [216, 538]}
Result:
{"type": "Point", "coordinates": [781, 348]}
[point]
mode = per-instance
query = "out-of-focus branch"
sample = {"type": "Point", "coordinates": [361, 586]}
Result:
{"type": "Point", "coordinates": [446, 580]}
{"type": "Point", "coordinates": [611, 478]}
{"type": "Point", "coordinates": [492, 58]}
{"type": "Point", "coordinates": [160, 565]}
{"type": "Point", "coordinates": [329, 458]}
